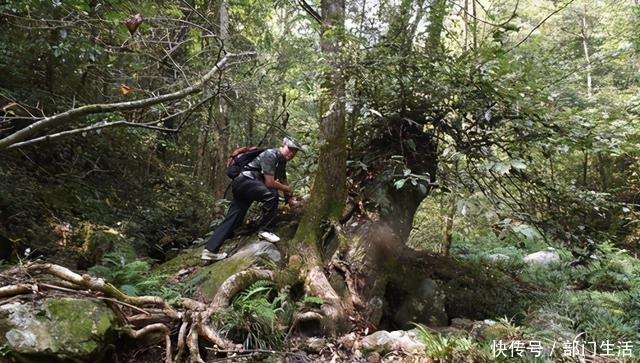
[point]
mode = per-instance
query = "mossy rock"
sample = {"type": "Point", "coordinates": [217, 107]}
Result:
{"type": "Point", "coordinates": [57, 330]}
{"type": "Point", "coordinates": [208, 279]}
{"type": "Point", "coordinates": [94, 242]}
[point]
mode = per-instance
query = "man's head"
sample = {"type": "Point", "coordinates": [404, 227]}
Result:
{"type": "Point", "coordinates": [290, 147]}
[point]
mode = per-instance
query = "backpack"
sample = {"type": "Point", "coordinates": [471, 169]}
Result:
{"type": "Point", "coordinates": [240, 158]}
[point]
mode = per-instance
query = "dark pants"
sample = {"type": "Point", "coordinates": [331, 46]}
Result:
{"type": "Point", "coordinates": [245, 191]}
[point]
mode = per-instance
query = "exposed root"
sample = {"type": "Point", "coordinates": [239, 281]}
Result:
{"type": "Point", "coordinates": [96, 284]}
{"type": "Point", "coordinates": [19, 289]}
{"type": "Point", "coordinates": [342, 267]}
{"type": "Point", "coordinates": [136, 334]}
{"type": "Point", "coordinates": [317, 284]}
{"type": "Point", "coordinates": [206, 332]}
{"type": "Point", "coordinates": [182, 333]}
{"type": "Point", "coordinates": [306, 317]}
{"type": "Point", "coordinates": [200, 327]}
{"type": "Point", "coordinates": [189, 323]}
{"type": "Point", "coordinates": [146, 314]}
{"type": "Point", "coordinates": [235, 284]}
{"type": "Point", "coordinates": [192, 343]}
{"type": "Point", "coordinates": [193, 305]}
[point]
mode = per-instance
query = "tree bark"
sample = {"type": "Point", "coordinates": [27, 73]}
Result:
{"type": "Point", "coordinates": [328, 193]}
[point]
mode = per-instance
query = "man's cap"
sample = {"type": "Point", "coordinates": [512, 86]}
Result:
{"type": "Point", "coordinates": [292, 143]}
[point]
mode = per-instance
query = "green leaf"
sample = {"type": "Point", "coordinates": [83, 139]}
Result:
{"type": "Point", "coordinates": [411, 144]}
{"type": "Point", "coordinates": [400, 183]}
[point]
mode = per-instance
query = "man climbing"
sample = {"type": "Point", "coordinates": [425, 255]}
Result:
{"type": "Point", "coordinates": [259, 181]}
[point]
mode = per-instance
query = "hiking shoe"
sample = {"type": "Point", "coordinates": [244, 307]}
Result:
{"type": "Point", "coordinates": [268, 236]}
{"type": "Point", "coordinates": [210, 256]}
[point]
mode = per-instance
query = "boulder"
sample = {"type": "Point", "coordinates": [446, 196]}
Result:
{"type": "Point", "coordinates": [425, 305]}
{"type": "Point", "coordinates": [260, 248]}
{"type": "Point", "coordinates": [542, 257]}
{"type": "Point", "coordinates": [254, 253]}
{"type": "Point", "coordinates": [57, 329]}
{"type": "Point", "coordinates": [384, 341]}
{"type": "Point", "coordinates": [95, 242]}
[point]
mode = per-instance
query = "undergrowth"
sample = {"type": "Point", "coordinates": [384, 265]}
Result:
{"type": "Point", "coordinates": [134, 276]}
{"type": "Point", "coordinates": [252, 318]}
{"type": "Point", "coordinates": [576, 310]}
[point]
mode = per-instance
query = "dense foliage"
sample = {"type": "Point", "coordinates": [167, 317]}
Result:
{"type": "Point", "coordinates": [533, 104]}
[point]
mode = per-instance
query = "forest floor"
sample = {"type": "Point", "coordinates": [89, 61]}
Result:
{"type": "Point", "coordinates": [292, 355]}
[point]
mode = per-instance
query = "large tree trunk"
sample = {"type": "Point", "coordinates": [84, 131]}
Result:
{"type": "Point", "coordinates": [370, 256]}
{"type": "Point", "coordinates": [365, 252]}
{"type": "Point", "coordinates": [328, 193]}
{"type": "Point", "coordinates": [382, 283]}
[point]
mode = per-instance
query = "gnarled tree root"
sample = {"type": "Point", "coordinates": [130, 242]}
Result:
{"type": "Point", "coordinates": [153, 313]}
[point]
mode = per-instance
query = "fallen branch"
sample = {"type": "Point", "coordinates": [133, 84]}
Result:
{"type": "Point", "coordinates": [98, 284]}
{"type": "Point", "coordinates": [98, 126]}
{"type": "Point", "coordinates": [19, 289]}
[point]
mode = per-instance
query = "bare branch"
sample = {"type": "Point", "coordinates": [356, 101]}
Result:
{"type": "Point", "coordinates": [560, 8]}
{"type": "Point", "coordinates": [101, 125]}
{"type": "Point", "coordinates": [29, 131]}
{"type": "Point", "coordinates": [311, 11]}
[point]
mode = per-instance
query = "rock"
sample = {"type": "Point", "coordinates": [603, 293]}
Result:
{"type": "Point", "coordinates": [542, 257]}
{"type": "Point", "coordinates": [491, 330]}
{"type": "Point", "coordinates": [408, 341]}
{"type": "Point", "coordinates": [263, 248]}
{"type": "Point", "coordinates": [426, 305]}
{"type": "Point", "coordinates": [96, 242]}
{"type": "Point", "coordinates": [316, 345]}
{"type": "Point", "coordinates": [374, 357]}
{"type": "Point", "coordinates": [379, 341]}
{"type": "Point", "coordinates": [462, 323]}
{"type": "Point", "coordinates": [57, 329]}
{"type": "Point", "coordinates": [383, 342]}
{"type": "Point", "coordinates": [209, 279]}
{"type": "Point", "coordinates": [549, 321]}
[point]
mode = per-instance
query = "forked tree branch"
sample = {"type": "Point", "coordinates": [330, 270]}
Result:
{"type": "Point", "coordinates": [102, 125]}
{"type": "Point", "coordinates": [28, 132]}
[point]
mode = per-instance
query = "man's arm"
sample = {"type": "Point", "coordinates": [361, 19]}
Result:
{"type": "Point", "coordinates": [281, 176]}
{"type": "Point", "coordinates": [271, 183]}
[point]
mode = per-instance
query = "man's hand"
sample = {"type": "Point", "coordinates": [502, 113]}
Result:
{"type": "Point", "coordinates": [295, 203]}
{"type": "Point", "coordinates": [272, 183]}
{"type": "Point", "coordinates": [288, 196]}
